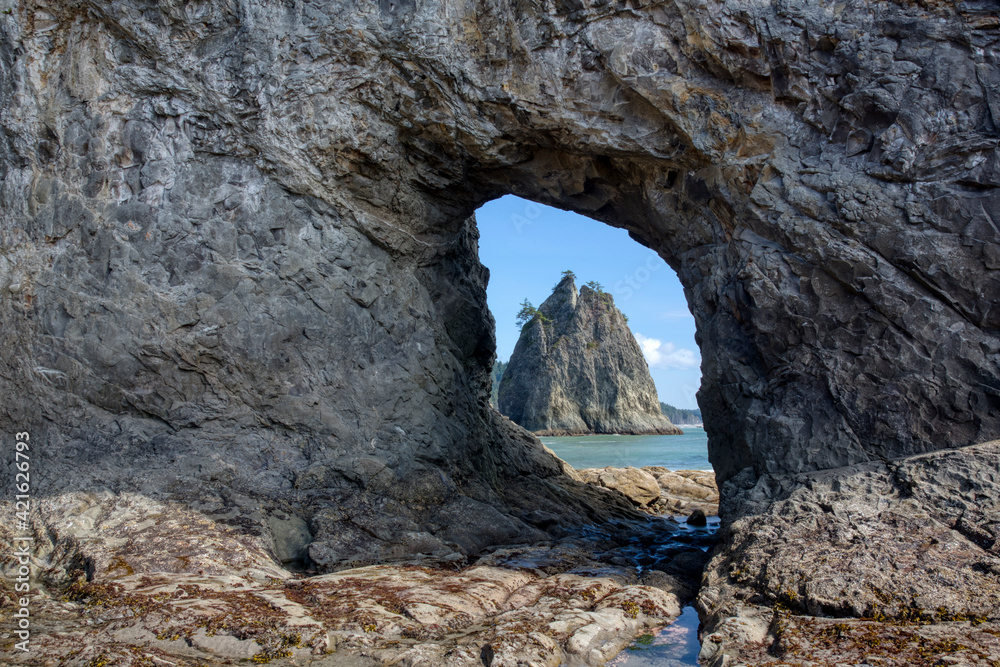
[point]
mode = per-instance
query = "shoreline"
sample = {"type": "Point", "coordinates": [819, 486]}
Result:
{"type": "Point", "coordinates": [688, 452]}
{"type": "Point", "coordinates": [563, 433]}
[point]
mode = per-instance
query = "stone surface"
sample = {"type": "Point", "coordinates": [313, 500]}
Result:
{"type": "Point", "coordinates": [635, 484]}
{"type": "Point", "coordinates": [897, 550]}
{"type": "Point", "coordinates": [684, 491]}
{"type": "Point", "coordinates": [697, 518]}
{"type": "Point", "coordinates": [238, 251]}
{"type": "Point", "coordinates": [659, 490]}
{"type": "Point", "coordinates": [238, 273]}
{"type": "Point", "coordinates": [578, 370]}
{"type": "Point", "coordinates": [575, 601]}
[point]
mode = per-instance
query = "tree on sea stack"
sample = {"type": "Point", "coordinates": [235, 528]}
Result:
{"type": "Point", "coordinates": [578, 370]}
{"type": "Point", "coordinates": [528, 313]}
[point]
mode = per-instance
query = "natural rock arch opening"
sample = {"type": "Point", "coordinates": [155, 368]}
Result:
{"type": "Point", "coordinates": [244, 320]}
{"type": "Point", "coordinates": [529, 248]}
{"type": "Point", "coordinates": [245, 230]}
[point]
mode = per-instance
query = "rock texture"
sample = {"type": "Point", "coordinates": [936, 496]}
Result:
{"type": "Point", "coordinates": [246, 226]}
{"type": "Point", "coordinates": [578, 370]}
{"type": "Point", "coordinates": [684, 491]}
{"type": "Point", "coordinates": [574, 601]}
{"type": "Point", "coordinates": [637, 485]}
{"type": "Point", "coordinates": [238, 262]}
{"type": "Point", "coordinates": [659, 490]}
{"type": "Point", "coordinates": [903, 555]}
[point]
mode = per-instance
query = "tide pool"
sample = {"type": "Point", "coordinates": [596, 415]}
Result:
{"type": "Point", "coordinates": [675, 645]}
{"type": "Point", "coordinates": [676, 452]}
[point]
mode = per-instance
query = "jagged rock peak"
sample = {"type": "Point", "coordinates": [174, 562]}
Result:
{"type": "Point", "coordinates": [577, 370]}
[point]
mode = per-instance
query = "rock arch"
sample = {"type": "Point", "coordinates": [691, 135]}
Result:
{"type": "Point", "coordinates": [237, 243]}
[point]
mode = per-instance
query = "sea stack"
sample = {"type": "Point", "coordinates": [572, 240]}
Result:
{"type": "Point", "coordinates": [578, 370]}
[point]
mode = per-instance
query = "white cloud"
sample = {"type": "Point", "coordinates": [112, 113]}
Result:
{"type": "Point", "coordinates": [666, 355]}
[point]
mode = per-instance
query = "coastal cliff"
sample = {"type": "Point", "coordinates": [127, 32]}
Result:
{"type": "Point", "coordinates": [578, 370]}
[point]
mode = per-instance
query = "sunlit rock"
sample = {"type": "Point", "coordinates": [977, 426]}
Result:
{"type": "Point", "coordinates": [578, 370]}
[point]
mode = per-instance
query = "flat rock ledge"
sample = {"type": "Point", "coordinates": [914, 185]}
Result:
{"type": "Point", "coordinates": [167, 587]}
{"type": "Point", "coordinates": [772, 638]}
{"type": "Point", "coordinates": [893, 563]}
{"type": "Point", "coordinates": [659, 490]}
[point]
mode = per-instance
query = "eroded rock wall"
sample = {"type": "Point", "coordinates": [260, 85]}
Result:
{"type": "Point", "coordinates": [237, 251]}
{"type": "Point", "coordinates": [183, 322]}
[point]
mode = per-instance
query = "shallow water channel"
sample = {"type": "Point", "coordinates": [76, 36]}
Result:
{"type": "Point", "coordinates": [675, 644]}
{"type": "Point", "coordinates": [671, 646]}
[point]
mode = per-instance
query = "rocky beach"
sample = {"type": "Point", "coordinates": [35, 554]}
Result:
{"type": "Point", "coordinates": [579, 599]}
{"type": "Point", "coordinates": [659, 490]}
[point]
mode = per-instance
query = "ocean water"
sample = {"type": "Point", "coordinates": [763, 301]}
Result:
{"type": "Point", "coordinates": [676, 452]}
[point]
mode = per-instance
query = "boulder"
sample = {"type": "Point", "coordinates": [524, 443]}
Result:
{"type": "Point", "coordinates": [634, 483]}
{"type": "Point", "coordinates": [697, 518]}
{"type": "Point", "coordinates": [683, 491]}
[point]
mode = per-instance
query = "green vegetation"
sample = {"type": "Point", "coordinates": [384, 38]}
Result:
{"type": "Point", "coordinates": [596, 286]}
{"type": "Point", "coordinates": [631, 609]}
{"type": "Point", "coordinates": [528, 313]}
{"type": "Point", "coordinates": [680, 416]}
{"type": "Point", "coordinates": [643, 643]}
{"type": "Point", "coordinates": [567, 274]}
{"type": "Point", "coordinates": [498, 370]}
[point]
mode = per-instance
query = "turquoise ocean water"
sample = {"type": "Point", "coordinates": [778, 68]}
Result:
{"type": "Point", "coordinates": [676, 452]}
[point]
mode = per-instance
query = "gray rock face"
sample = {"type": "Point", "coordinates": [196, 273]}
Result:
{"type": "Point", "coordinates": [238, 265]}
{"type": "Point", "coordinates": [577, 370]}
{"type": "Point", "coordinates": [896, 543]}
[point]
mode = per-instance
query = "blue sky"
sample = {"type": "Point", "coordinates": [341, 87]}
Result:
{"type": "Point", "coordinates": [527, 246]}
